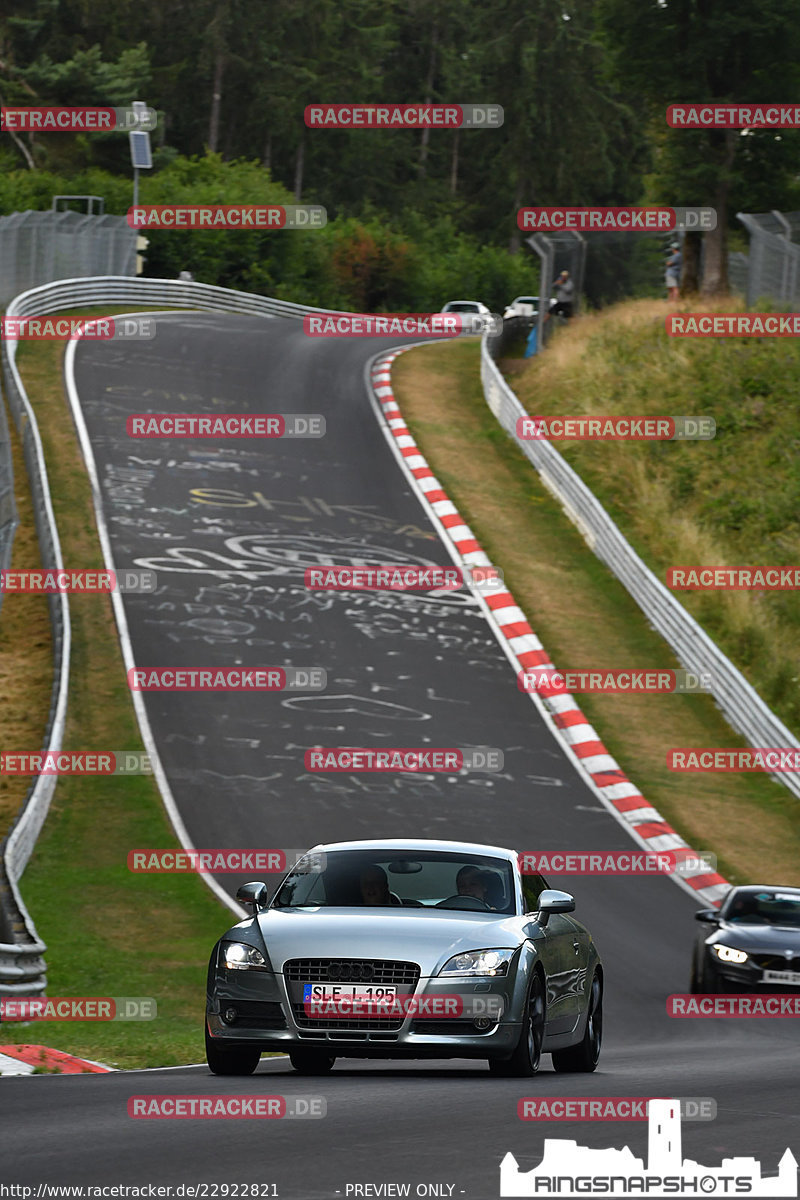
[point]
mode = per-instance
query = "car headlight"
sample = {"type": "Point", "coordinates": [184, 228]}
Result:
{"type": "Point", "coordinates": [478, 962]}
{"type": "Point", "coordinates": [729, 954]}
{"type": "Point", "coordinates": [238, 956]}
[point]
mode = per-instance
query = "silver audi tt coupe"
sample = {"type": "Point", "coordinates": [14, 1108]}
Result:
{"type": "Point", "coordinates": [406, 949]}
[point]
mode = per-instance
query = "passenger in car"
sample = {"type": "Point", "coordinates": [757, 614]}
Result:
{"type": "Point", "coordinates": [374, 884]}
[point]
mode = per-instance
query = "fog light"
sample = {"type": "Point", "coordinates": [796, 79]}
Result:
{"type": "Point", "coordinates": [230, 1015]}
{"type": "Point", "coordinates": [482, 1023]}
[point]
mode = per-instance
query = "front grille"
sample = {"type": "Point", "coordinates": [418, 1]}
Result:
{"type": "Point", "coordinates": [352, 970]}
{"type": "Point", "coordinates": [776, 962]}
{"type": "Point", "coordinates": [299, 971]}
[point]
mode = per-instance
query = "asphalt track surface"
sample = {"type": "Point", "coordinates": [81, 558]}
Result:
{"type": "Point", "coordinates": [228, 527]}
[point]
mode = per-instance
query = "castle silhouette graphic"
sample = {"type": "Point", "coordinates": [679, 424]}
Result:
{"type": "Point", "coordinates": [568, 1169]}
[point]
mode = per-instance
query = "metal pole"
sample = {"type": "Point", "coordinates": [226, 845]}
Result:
{"type": "Point", "coordinates": [135, 186]}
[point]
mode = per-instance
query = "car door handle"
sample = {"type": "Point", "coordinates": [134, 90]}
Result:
{"type": "Point", "coordinates": [576, 946]}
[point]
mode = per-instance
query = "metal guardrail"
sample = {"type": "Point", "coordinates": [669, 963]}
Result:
{"type": "Point", "coordinates": [737, 699]}
{"type": "Point", "coordinates": [22, 967]}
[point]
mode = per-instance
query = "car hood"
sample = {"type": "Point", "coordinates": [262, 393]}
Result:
{"type": "Point", "coordinates": [428, 938]}
{"type": "Point", "coordinates": [758, 937]}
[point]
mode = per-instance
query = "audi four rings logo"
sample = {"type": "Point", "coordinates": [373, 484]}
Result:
{"type": "Point", "coordinates": [355, 971]}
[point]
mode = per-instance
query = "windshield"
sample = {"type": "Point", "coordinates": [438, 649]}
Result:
{"type": "Point", "coordinates": [375, 879]}
{"type": "Point", "coordinates": [466, 306]}
{"type": "Point", "coordinates": [768, 907]}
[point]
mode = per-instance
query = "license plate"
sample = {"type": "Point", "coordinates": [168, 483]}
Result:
{"type": "Point", "coordinates": [336, 991]}
{"type": "Point", "coordinates": [782, 977]}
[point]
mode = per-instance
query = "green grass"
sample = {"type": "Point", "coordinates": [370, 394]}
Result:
{"type": "Point", "coordinates": [108, 932]}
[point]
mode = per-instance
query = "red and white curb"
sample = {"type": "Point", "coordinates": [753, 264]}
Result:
{"type": "Point", "coordinates": [522, 647]}
{"type": "Point", "coordinates": [23, 1059]}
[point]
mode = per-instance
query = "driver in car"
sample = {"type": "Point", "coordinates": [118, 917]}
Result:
{"type": "Point", "coordinates": [472, 881]}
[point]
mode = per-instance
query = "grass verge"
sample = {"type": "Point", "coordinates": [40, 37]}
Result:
{"type": "Point", "coordinates": [585, 618]}
{"type": "Point", "coordinates": [108, 932]}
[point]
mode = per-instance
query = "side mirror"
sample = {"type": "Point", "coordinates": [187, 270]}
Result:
{"type": "Point", "coordinates": [253, 895]}
{"type": "Point", "coordinates": [709, 916]}
{"type": "Point", "coordinates": [553, 901]}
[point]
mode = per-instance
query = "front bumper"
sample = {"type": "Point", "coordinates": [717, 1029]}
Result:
{"type": "Point", "coordinates": [267, 1014]}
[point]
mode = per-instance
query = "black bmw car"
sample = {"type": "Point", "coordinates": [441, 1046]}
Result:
{"type": "Point", "coordinates": [750, 944]}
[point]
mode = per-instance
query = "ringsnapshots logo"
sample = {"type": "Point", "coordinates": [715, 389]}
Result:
{"type": "Point", "coordinates": [413, 760]}
{"type": "Point", "coordinates": [402, 578]}
{"type": "Point", "coordinates": [225, 861]}
{"type": "Point", "coordinates": [227, 216]}
{"type": "Point", "coordinates": [733, 116]}
{"type": "Point", "coordinates": [548, 681]}
{"type": "Point", "coordinates": [225, 1108]}
{"type": "Point", "coordinates": [61, 329]}
{"type": "Point", "coordinates": [417, 325]}
{"type": "Point", "coordinates": [616, 429]}
{"type": "Point", "coordinates": [77, 582]}
{"type": "Point", "coordinates": [403, 116]}
{"type": "Point", "coordinates": [76, 762]}
{"type": "Point", "coordinates": [568, 1169]}
{"type": "Point", "coordinates": [31, 119]}
{"type": "Point", "coordinates": [78, 1008]}
{"type": "Point", "coordinates": [682, 861]}
{"type": "Point", "coordinates": [227, 679]}
{"type": "Point", "coordinates": [231, 425]}
{"type": "Point", "coordinates": [652, 219]}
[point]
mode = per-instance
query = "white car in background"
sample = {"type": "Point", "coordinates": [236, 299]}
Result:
{"type": "Point", "coordinates": [466, 306]}
{"type": "Point", "coordinates": [522, 306]}
{"type": "Point", "coordinates": [484, 319]}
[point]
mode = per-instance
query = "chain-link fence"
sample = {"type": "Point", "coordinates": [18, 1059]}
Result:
{"type": "Point", "coordinates": [774, 259]}
{"type": "Point", "coordinates": [40, 247]}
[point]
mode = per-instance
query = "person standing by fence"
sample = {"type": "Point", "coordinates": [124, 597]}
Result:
{"type": "Point", "coordinates": [673, 277]}
{"type": "Point", "coordinates": [565, 292]}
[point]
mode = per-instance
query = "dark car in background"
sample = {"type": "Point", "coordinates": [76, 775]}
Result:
{"type": "Point", "coordinates": [750, 944]}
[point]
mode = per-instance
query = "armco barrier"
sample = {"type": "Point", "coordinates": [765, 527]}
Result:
{"type": "Point", "coordinates": [694, 649]}
{"type": "Point", "coordinates": [22, 967]}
